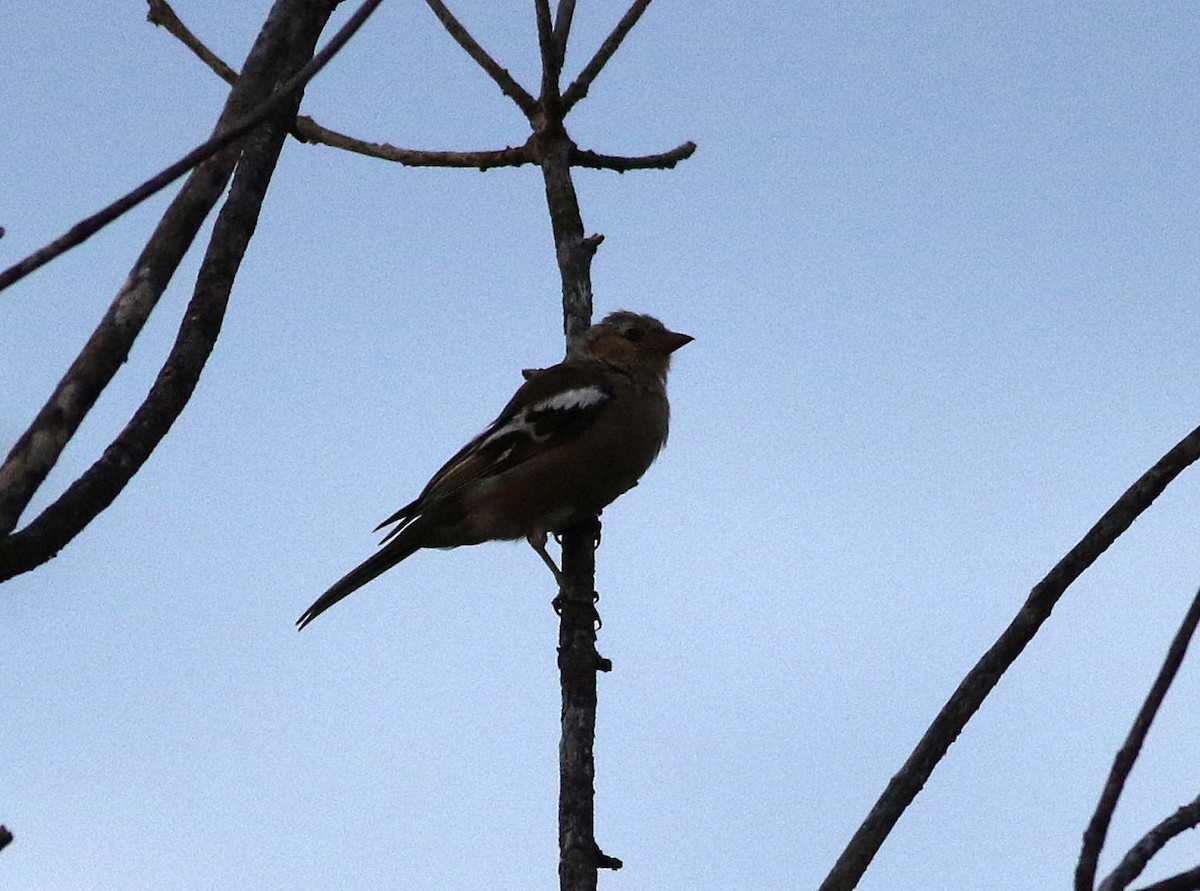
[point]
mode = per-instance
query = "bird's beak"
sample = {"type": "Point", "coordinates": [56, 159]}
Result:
{"type": "Point", "coordinates": [674, 340]}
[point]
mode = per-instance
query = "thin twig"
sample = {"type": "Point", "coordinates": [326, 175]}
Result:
{"type": "Point", "coordinates": [510, 156]}
{"type": "Point", "coordinates": [1184, 881]}
{"type": "Point", "coordinates": [562, 28]}
{"type": "Point", "coordinates": [1127, 755]}
{"type": "Point", "coordinates": [503, 79]}
{"type": "Point", "coordinates": [981, 679]}
{"type": "Point", "coordinates": [551, 61]}
{"type": "Point", "coordinates": [164, 16]}
{"type": "Point", "coordinates": [619, 163]}
{"type": "Point", "coordinates": [88, 227]}
{"type": "Point", "coordinates": [580, 86]}
{"type": "Point", "coordinates": [1132, 864]}
{"type": "Point", "coordinates": [309, 131]}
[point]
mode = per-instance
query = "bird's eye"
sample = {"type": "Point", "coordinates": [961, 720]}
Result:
{"type": "Point", "coordinates": [633, 335]}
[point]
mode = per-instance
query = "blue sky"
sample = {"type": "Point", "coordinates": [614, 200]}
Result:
{"type": "Point", "coordinates": [941, 265]}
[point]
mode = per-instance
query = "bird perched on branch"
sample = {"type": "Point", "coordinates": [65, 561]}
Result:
{"type": "Point", "coordinates": [571, 440]}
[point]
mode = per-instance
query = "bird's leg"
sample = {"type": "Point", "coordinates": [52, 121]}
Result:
{"type": "Point", "coordinates": [537, 541]}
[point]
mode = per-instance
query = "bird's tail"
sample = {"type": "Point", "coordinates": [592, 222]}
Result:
{"type": "Point", "coordinates": [388, 556]}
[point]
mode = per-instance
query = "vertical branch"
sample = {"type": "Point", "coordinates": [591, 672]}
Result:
{"type": "Point", "coordinates": [562, 28]}
{"type": "Point", "coordinates": [578, 660]}
{"type": "Point", "coordinates": [552, 60]}
{"type": "Point", "coordinates": [573, 250]}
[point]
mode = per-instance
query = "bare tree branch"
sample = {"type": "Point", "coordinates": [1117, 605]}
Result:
{"type": "Point", "coordinates": [664, 161]}
{"type": "Point", "coordinates": [562, 29]}
{"type": "Point", "coordinates": [1093, 837]}
{"type": "Point", "coordinates": [980, 681]}
{"type": "Point", "coordinates": [102, 482]}
{"type": "Point", "coordinates": [510, 156]}
{"type": "Point", "coordinates": [551, 60]}
{"type": "Point", "coordinates": [1184, 881]}
{"type": "Point", "coordinates": [552, 42]}
{"type": "Point", "coordinates": [309, 131]}
{"type": "Point", "coordinates": [580, 86]}
{"type": "Point", "coordinates": [578, 660]}
{"type": "Point", "coordinates": [1132, 864]}
{"type": "Point", "coordinates": [503, 79]}
{"type": "Point", "coordinates": [88, 227]}
{"type": "Point", "coordinates": [283, 51]}
{"type": "Point", "coordinates": [164, 16]}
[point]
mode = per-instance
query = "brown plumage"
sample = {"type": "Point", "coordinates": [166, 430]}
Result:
{"type": "Point", "coordinates": [571, 440]}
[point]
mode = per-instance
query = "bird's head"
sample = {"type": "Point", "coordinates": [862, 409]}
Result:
{"type": "Point", "coordinates": [632, 341]}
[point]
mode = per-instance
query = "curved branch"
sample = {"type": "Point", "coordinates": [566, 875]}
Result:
{"type": "Point", "coordinates": [503, 79]}
{"type": "Point", "coordinates": [580, 86]}
{"type": "Point", "coordinates": [1132, 864]}
{"type": "Point", "coordinates": [309, 131]}
{"type": "Point", "coordinates": [285, 43]}
{"type": "Point", "coordinates": [1097, 829]}
{"type": "Point", "coordinates": [664, 161]}
{"type": "Point", "coordinates": [981, 679]}
{"type": "Point", "coordinates": [88, 227]}
{"type": "Point", "coordinates": [103, 481]}
{"type": "Point", "coordinates": [510, 156]}
{"type": "Point", "coordinates": [1184, 881]}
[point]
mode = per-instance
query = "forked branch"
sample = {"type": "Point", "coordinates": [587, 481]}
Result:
{"type": "Point", "coordinates": [283, 52]}
{"type": "Point", "coordinates": [553, 33]}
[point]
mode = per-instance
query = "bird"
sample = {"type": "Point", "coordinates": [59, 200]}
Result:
{"type": "Point", "coordinates": [572, 439]}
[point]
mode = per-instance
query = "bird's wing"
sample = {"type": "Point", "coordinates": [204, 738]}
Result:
{"type": "Point", "coordinates": [552, 407]}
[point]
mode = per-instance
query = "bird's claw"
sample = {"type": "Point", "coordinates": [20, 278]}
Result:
{"type": "Point", "coordinates": [561, 602]}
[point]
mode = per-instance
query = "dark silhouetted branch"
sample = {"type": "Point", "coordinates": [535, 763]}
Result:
{"type": "Point", "coordinates": [86, 228]}
{"type": "Point", "coordinates": [1184, 881]}
{"type": "Point", "coordinates": [1093, 837]}
{"type": "Point", "coordinates": [980, 681]}
{"type": "Point", "coordinates": [580, 86]}
{"type": "Point", "coordinates": [309, 131]}
{"type": "Point", "coordinates": [552, 42]}
{"type": "Point", "coordinates": [503, 79]}
{"type": "Point", "coordinates": [164, 16]}
{"type": "Point", "coordinates": [1132, 864]}
{"type": "Point", "coordinates": [510, 156]}
{"type": "Point", "coordinates": [6, 837]}
{"type": "Point", "coordinates": [562, 28]}
{"type": "Point", "coordinates": [552, 60]}
{"type": "Point", "coordinates": [664, 161]}
{"type": "Point", "coordinates": [282, 52]}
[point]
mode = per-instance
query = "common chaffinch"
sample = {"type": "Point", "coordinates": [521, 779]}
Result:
{"type": "Point", "coordinates": [571, 440]}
